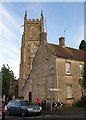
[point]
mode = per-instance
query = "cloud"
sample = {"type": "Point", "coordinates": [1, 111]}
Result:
{"type": "Point", "coordinates": [78, 37]}
{"type": "Point", "coordinates": [81, 35]}
{"type": "Point", "coordinates": [10, 31]}
{"type": "Point", "coordinates": [5, 30]}
{"type": "Point", "coordinates": [7, 16]}
{"type": "Point", "coordinates": [34, 9]}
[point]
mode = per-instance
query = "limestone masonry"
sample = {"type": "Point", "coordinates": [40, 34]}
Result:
{"type": "Point", "coordinates": [48, 70]}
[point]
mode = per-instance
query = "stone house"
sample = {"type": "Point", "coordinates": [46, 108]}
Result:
{"type": "Point", "coordinates": [55, 71]}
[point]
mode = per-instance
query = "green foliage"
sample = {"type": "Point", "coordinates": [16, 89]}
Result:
{"type": "Point", "coordinates": [81, 102]}
{"type": "Point", "coordinates": [84, 77]}
{"type": "Point", "coordinates": [7, 76]}
{"type": "Point", "coordinates": [82, 45]}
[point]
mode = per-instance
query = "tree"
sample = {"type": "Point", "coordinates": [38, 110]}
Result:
{"type": "Point", "coordinates": [82, 45]}
{"type": "Point", "coordinates": [84, 76]}
{"type": "Point", "coordinates": [7, 76]}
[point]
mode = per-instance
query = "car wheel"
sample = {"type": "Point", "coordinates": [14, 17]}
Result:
{"type": "Point", "coordinates": [8, 113]}
{"type": "Point", "coordinates": [22, 113]}
{"type": "Point", "coordinates": [38, 114]}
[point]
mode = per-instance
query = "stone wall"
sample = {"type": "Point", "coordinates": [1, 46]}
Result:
{"type": "Point", "coordinates": [31, 35]}
{"type": "Point", "coordinates": [43, 74]}
{"type": "Point", "coordinates": [72, 79]}
{"type": "Point", "coordinates": [48, 71]}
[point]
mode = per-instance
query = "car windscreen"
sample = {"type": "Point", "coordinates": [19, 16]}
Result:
{"type": "Point", "coordinates": [24, 103]}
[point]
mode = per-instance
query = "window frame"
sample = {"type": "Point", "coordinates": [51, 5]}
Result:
{"type": "Point", "coordinates": [69, 91]}
{"type": "Point", "coordinates": [81, 67]}
{"type": "Point", "coordinates": [67, 68]}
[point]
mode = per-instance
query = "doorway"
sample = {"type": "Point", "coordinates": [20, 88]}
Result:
{"type": "Point", "coordinates": [30, 96]}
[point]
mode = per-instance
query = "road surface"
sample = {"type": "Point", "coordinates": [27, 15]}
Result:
{"type": "Point", "coordinates": [49, 117]}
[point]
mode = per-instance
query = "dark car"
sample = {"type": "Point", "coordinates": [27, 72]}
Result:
{"type": "Point", "coordinates": [23, 108]}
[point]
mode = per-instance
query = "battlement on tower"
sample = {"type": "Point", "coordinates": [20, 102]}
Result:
{"type": "Point", "coordinates": [34, 20]}
{"type": "Point", "coordinates": [37, 21]}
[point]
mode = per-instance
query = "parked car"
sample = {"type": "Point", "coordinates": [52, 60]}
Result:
{"type": "Point", "coordinates": [23, 108]}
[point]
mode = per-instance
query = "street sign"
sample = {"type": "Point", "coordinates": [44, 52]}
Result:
{"type": "Point", "coordinates": [57, 104]}
{"type": "Point", "coordinates": [53, 90]}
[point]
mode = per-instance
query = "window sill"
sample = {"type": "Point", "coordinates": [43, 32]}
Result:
{"type": "Point", "coordinates": [69, 74]}
{"type": "Point", "coordinates": [70, 98]}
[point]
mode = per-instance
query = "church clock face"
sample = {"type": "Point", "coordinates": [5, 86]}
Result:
{"type": "Point", "coordinates": [33, 48]}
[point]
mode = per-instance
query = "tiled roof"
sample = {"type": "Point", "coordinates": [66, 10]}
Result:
{"type": "Point", "coordinates": [66, 52]}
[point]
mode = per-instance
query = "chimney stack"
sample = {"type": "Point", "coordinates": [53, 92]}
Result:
{"type": "Point", "coordinates": [62, 41]}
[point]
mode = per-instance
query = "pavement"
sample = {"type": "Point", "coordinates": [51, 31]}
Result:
{"type": "Point", "coordinates": [68, 113]}
{"type": "Point", "coordinates": [64, 112]}
{"type": "Point", "coordinates": [60, 115]}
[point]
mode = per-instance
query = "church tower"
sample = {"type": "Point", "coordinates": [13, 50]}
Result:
{"type": "Point", "coordinates": [31, 39]}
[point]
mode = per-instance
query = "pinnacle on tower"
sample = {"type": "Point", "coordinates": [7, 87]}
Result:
{"type": "Point", "coordinates": [25, 14]}
{"type": "Point", "coordinates": [42, 22]}
{"type": "Point", "coordinates": [42, 14]}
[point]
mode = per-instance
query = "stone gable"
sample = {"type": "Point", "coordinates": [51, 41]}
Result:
{"type": "Point", "coordinates": [43, 75]}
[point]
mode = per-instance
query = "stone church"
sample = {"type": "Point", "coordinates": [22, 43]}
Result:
{"type": "Point", "coordinates": [48, 71]}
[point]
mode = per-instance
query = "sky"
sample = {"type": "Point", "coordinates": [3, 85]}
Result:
{"type": "Point", "coordinates": [59, 16]}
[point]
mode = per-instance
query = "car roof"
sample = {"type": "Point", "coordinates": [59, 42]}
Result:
{"type": "Point", "coordinates": [18, 100]}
